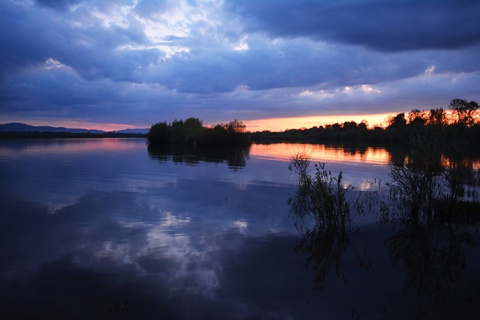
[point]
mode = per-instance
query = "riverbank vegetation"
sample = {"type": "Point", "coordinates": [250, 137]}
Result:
{"type": "Point", "coordinates": [432, 203]}
{"type": "Point", "coordinates": [460, 122]}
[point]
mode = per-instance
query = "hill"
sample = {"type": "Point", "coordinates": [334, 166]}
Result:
{"type": "Point", "coordinates": [133, 131]}
{"type": "Point", "coordinates": [22, 127]}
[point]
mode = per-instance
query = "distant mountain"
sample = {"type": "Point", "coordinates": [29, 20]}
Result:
{"type": "Point", "coordinates": [22, 127]}
{"type": "Point", "coordinates": [134, 131]}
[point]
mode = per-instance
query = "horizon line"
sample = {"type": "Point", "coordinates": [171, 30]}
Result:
{"type": "Point", "coordinates": [276, 124]}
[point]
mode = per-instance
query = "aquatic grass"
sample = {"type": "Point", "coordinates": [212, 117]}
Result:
{"type": "Point", "coordinates": [320, 198]}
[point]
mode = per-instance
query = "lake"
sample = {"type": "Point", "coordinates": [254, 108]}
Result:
{"type": "Point", "coordinates": [113, 229]}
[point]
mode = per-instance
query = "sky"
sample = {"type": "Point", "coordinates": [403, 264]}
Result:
{"type": "Point", "coordinates": [273, 64]}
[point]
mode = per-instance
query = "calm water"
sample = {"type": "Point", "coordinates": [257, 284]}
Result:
{"type": "Point", "coordinates": [108, 228]}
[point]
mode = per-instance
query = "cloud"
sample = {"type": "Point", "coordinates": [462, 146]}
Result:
{"type": "Point", "coordinates": [380, 25]}
{"type": "Point", "coordinates": [58, 4]}
{"type": "Point", "coordinates": [63, 92]}
{"type": "Point", "coordinates": [223, 60]}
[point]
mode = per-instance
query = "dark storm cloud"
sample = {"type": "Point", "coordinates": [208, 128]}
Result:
{"type": "Point", "coordinates": [216, 59]}
{"type": "Point", "coordinates": [18, 40]}
{"type": "Point", "coordinates": [101, 53]}
{"type": "Point", "coordinates": [381, 25]}
{"type": "Point", "coordinates": [63, 92]}
{"type": "Point", "coordinates": [58, 4]}
{"type": "Point", "coordinates": [34, 36]}
{"type": "Point", "coordinates": [301, 63]}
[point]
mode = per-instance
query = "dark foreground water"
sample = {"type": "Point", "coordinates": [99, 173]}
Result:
{"type": "Point", "coordinates": [109, 229]}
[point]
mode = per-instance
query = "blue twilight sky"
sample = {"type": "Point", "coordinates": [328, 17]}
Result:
{"type": "Point", "coordinates": [137, 62]}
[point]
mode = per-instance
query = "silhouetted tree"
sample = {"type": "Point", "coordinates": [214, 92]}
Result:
{"type": "Point", "coordinates": [436, 117]}
{"type": "Point", "coordinates": [396, 129]}
{"type": "Point", "coordinates": [465, 111]}
{"type": "Point", "coordinates": [160, 133]}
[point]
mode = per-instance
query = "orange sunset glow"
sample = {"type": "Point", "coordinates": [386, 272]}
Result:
{"type": "Point", "coordinates": [270, 124]}
{"type": "Point", "coordinates": [282, 124]}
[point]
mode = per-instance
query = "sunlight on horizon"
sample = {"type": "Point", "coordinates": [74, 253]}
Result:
{"type": "Point", "coordinates": [282, 124]}
{"type": "Point", "coordinates": [270, 124]}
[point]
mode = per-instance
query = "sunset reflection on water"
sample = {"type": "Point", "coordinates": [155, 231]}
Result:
{"type": "Point", "coordinates": [319, 152]}
{"type": "Point", "coordinates": [71, 146]}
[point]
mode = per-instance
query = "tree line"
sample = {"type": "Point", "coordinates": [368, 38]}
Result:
{"type": "Point", "coordinates": [193, 132]}
{"type": "Point", "coordinates": [460, 122]}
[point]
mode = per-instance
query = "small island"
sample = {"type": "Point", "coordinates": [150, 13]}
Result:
{"type": "Point", "coordinates": [193, 132]}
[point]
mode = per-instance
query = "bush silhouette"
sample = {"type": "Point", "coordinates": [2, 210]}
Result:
{"type": "Point", "coordinates": [193, 132]}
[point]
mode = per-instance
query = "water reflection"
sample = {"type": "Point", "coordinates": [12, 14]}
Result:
{"type": "Point", "coordinates": [434, 223]}
{"type": "Point", "coordinates": [432, 255]}
{"type": "Point", "coordinates": [138, 240]}
{"type": "Point", "coordinates": [320, 152]}
{"type": "Point", "coordinates": [39, 147]}
{"type": "Point", "coordinates": [437, 220]}
{"type": "Point", "coordinates": [135, 239]}
{"type": "Point", "coordinates": [112, 255]}
{"type": "Point", "coordinates": [235, 157]}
